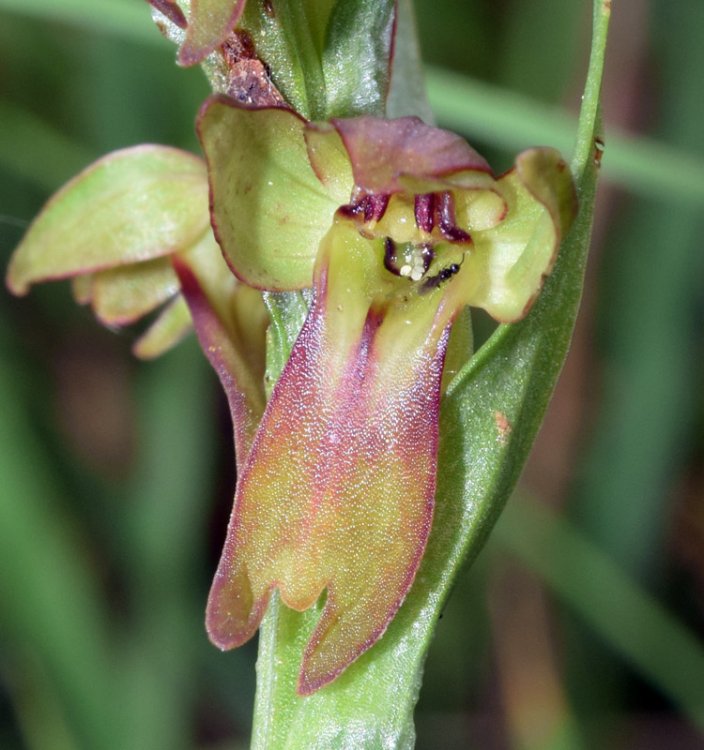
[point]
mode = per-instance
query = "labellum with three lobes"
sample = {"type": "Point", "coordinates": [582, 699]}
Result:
{"type": "Point", "coordinates": [397, 226]}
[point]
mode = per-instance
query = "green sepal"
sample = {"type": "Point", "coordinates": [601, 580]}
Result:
{"type": "Point", "coordinates": [130, 206]}
{"type": "Point", "coordinates": [120, 296]}
{"type": "Point", "coordinates": [508, 263]}
{"type": "Point", "coordinates": [269, 210]}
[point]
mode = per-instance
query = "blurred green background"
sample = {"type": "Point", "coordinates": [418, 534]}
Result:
{"type": "Point", "coordinates": [581, 624]}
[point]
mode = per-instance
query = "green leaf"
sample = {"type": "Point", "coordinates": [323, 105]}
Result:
{"type": "Point", "coordinates": [130, 206]}
{"type": "Point", "coordinates": [45, 578]}
{"type": "Point", "coordinates": [34, 150]}
{"type": "Point", "coordinates": [129, 20]}
{"type": "Point", "coordinates": [407, 95]}
{"type": "Point", "coordinates": [491, 413]}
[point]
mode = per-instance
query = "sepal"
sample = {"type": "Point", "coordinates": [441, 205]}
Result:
{"type": "Point", "coordinates": [131, 206]}
{"type": "Point", "coordinates": [269, 210]}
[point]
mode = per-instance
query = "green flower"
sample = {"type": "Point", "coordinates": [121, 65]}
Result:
{"type": "Point", "coordinates": [132, 232]}
{"type": "Point", "coordinates": [397, 226]}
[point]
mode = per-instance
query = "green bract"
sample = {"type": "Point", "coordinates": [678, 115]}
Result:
{"type": "Point", "coordinates": [324, 57]}
{"type": "Point", "coordinates": [209, 24]}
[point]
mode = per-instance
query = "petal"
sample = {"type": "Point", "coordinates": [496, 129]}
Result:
{"type": "Point", "coordinates": [209, 24]}
{"type": "Point", "coordinates": [504, 270]}
{"type": "Point", "coordinates": [132, 205]}
{"type": "Point", "coordinates": [405, 154]}
{"type": "Point", "coordinates": [123, 295]}
{"type": "Point", "coordinates": [269, 210]}
{"type": "Point", "coordinates": [337, 493]}
{"type": "Point", "coordinates": [547, 176]}
{"type": "Point", "coordinates": [330, 161]}
{"type": "Point", "coordinates": [173, 323]}
{"type": "Point", "coordinates": [82, 288]}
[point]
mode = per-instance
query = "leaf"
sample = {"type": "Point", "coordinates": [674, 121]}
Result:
{"type": "Point", "coordinates": [406, 95]}
{"type": "Point", "coordinates": [130, 206]}
{"type": "Point", "coordinates": [360, 31]}
{"type": "Point", "coordinates": [602, 592]}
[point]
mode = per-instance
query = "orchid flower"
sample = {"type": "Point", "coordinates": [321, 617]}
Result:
{"type": "Point", "coordinates": [397, 226]}
{"type": "Point", "coordinates": [132, 232]}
